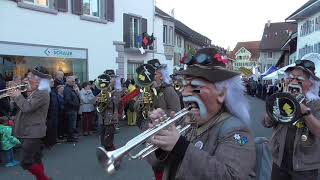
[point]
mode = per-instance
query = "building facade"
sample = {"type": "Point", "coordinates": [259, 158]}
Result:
{"type": "Point", "coordinates": [308, 35]}
{"type": "Point", "coordinates": [275, 35]}
{"type": "Point", "coordinates": [246, 55]}
{"type": "Point", "coordinates": [79, 37]}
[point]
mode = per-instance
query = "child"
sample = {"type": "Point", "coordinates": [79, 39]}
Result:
{"type": "Point", "coordinates": [8, 142]}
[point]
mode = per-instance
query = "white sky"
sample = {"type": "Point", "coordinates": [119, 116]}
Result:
{"type": "Point", "coordinates": [227, 22]}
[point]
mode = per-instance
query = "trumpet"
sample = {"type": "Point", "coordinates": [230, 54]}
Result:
{"type": "Point", "coordinates": [108, 159]}
{"type": "Point", "coordinates": [7, 92]}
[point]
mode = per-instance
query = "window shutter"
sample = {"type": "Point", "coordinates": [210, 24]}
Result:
{"type": "Point", "coordinates": [61, 5]}
{"type": "Point", "coordinates": [126, 30]}
{"type": "Point", "coordinates": [77, 7]}
{"type": "Point", "coordinates": [109, 10]}
{"type": "Point", "coordinates": [144, 25]}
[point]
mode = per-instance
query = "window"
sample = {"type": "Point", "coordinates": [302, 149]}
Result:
{"type": "Point", "coordinates": [44, 3]}
{"type": "Point", "coordinates": [269, 55]}
{"type": "Point", "coordinates": [168, 35]}
{"type": "Point", "coordinates": [131, 68]}
{"type": "Point", "coordinates": [178, 41]}
{"type": "Point", "coordinates": [307, 27]}
{"type": "Point", "coordinates": [134, 32]}
{"type": "Point", "coordinates": [317, 24]}
{"type": "Point", "coordinates": [165, 32]}
{"type": "Point", "coordinates": [92, 8]}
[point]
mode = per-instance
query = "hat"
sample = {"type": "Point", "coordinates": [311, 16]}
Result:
{"type": "Point", "coordinates": [156, 64]}
{"type": "Point", "coordinates": [208, 63]}
{"type": "Point", "coordinates": [144, 75]}
{"type": "Point", "coordinates": [110, 72]}
{"type": "Point", "coordinates": [41, 71]}
{"type": "Point", "coordinates": [305, 65]}
{"type": "Point", "coordinates": [102, 81]}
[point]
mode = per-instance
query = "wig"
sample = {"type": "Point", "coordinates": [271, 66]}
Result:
{"type": "Point", "coordinates": [235, 101]}
{"type": "Point", "coordinates": [165, 75]}
{"type": "Point", "coordinates": [117, 84]}
{"type": "Point", "coordinates": [44, 84]}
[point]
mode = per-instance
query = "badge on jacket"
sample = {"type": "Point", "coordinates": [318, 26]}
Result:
{"type": "Point", "coordinates": [242, 140]}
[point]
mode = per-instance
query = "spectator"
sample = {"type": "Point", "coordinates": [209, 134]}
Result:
{"type": "Point", "coordinates": [52, 118]}
{"type": "Point", "coordinates": [72, 104]}
{"type": "Point", "coordinates": [62, 125]}
{"type": "Point", "coordinates": [87, 100]}
{"type": "Point", "coordinates": [8, 142]}
{"type": "Point", "coordinates": [59, 78]}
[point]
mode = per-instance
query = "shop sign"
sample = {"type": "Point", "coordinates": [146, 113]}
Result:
{"type": "Point", "coordinates": [56, 52]}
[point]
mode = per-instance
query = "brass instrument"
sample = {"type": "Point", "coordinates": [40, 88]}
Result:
{"type": "Point", "coordinates": [144, 78]}
{"type": "Point", "coordinates": [22, 87]}
{"type": "Point", "coordinates": [108, 159]}
{"type": "Point", "coordinates": [284, 108]}
{"type": "Point", "coordinates": [103, 83]}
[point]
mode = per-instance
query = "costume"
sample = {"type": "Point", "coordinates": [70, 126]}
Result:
{"type": "Point", "coordinates": [219, 145]}
{"type": "Point", "coordinates": [30, 123]}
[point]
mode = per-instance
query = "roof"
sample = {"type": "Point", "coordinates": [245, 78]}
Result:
{"type": "Point", "coordinates": [275, 35]}
{"type": "Point", "coordinates": [251, 46]}
{"type": "Point", "coordinates": [313, 5]}
{"type": "Point", "coordinates": [185, 31]}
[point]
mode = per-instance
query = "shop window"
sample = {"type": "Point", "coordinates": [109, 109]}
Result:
{"type": "Point", "coordinates": [44, 3]}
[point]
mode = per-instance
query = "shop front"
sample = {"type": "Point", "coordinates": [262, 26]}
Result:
{"type": "Point", "coordinates": [16, 59]}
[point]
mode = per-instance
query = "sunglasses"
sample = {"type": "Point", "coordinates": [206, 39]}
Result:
{"type": "Point", "coordinates": [204, 59]}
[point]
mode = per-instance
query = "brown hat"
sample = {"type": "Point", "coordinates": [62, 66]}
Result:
{"type": "Point", "coordinates": [208, 63]}
{"type": "Point", "coordinates": [41, 71]}
{"type": "Point", "coordinates": [305, 65]}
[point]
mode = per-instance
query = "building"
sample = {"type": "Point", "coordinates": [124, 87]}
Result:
{"type": "Point", "coordinates": [246, 55]}
{"type": "Point", "coordinates": [79, 37]}
{"type": "Point", "coordinates": [185, 39]}
{"type": "Point", "coordinates": [308, 34]}
{"type": "Point", "coordinates": [275, 35]}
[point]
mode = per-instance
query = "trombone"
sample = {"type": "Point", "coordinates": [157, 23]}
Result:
{"type": "Point", "coordinates": [7, 92]}
{"type": "Point", "coordinates": [108, 159]}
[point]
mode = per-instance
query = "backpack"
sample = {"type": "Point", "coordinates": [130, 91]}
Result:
{"type": "Point", "coordinates": [263, 158]}
{"type": "Point", "coordinates": [263, 151]}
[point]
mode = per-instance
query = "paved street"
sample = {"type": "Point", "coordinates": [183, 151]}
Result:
{"type": "Point", "coordinates": [68, 162]}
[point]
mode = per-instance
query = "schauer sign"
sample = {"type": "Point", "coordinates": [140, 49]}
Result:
{"type": "Point", "coordinates": [56, 52]}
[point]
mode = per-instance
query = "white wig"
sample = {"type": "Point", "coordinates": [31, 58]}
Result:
{"type": "Point", "coordinates": [235, 100]}
{"type": "Point", "coordinates": [117, 84]}
{"type": "Point", "coordinates": [165, 75]}
{"type": "Point", "coordinates": [44, 84]}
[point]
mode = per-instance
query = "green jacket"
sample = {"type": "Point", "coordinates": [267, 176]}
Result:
{"type": "Point", "coordinates": [7, 140]}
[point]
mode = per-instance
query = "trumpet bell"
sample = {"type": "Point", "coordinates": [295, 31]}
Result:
{"type": "Point", "coordinates": [103, 157]}
{"type": "Point", "coordinates": [283, 108]}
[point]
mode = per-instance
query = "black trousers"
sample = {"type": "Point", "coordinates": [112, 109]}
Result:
{"type": "Point", "coordinates": [107, 136]}
{"type": "Point", "coordinates": [280, 173]}
{"type": "Point", "coordinates": [31, 152]}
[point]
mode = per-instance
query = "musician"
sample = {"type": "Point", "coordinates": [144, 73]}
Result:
{"type": "Point", "coordinates": [222, 147]}
{"type": "Point", "coordinates": [166, 99]}
{"type": "Point", "coordinates": [107, 116]}
{"type": "Point", "coordinates": [295, 157]}
{"type": "Point", "coordinates": [30, 123]}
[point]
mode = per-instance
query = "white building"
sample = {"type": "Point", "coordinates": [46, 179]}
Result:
{"type": "Point", "coordinates": [83, 37]}
{"type": "Point", "coordinates": [308, 19]}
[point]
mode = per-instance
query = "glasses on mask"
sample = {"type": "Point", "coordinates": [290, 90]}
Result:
{"type": "Point", "coordinates": [300, 79]}
{"type": "Point", "coordinates": [305, 63]}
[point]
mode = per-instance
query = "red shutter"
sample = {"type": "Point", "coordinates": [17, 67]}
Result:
{"type": "Point", "coordinates": [109, 10]}
{"type": "Point", "coordinates": [61, 5]}
{"type": "Point", "coordinates": [77, 7]}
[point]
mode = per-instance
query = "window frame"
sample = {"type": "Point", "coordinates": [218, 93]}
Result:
{"type": "Point", "coordinates": [134, 35]}
{"type": "Point", "coordinates": [101, 9]}
{"type": "Point", "coordinates": [33, 6]}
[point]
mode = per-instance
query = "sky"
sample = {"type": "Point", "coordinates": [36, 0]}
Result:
{"type": "Point", "coordinates": [227, 22]}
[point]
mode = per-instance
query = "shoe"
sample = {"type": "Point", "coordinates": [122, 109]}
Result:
{"type": "Point", "coordinates": [11, 164]}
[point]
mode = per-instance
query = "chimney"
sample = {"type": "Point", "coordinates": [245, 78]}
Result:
{"type": "Point", "coordinates": [268, 23]}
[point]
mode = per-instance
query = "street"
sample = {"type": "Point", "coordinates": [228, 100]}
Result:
{"type": "Point", "coordinates": [69, 162]}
